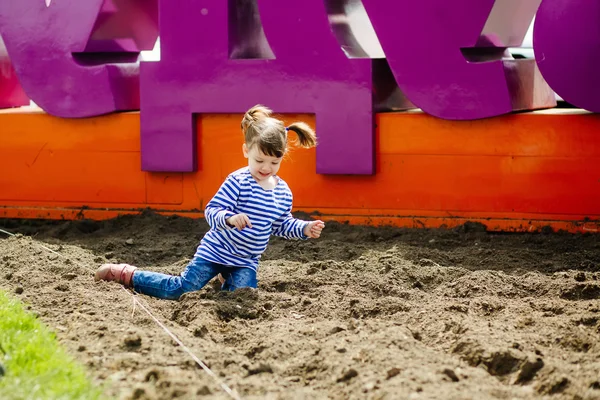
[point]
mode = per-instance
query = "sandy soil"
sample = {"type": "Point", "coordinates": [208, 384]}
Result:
{"type": "Point", "coordinates": [362, 313]}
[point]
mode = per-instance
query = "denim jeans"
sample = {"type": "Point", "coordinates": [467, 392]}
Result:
{"type": "Point", "coordinates": [195, 276]}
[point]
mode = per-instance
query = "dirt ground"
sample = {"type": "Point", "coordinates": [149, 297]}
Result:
{"type": "Point", "coordinates": [362, 313]}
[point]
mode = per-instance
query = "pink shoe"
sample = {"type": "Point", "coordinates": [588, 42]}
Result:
{"type": "Point", "coordinates": [121, 273]}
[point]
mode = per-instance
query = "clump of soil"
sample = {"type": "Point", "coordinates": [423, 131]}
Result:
{"type": "Point", "coordinates": [362, 312]}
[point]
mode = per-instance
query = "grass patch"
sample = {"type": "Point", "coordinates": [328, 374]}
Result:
{"type": "Point", "coordinates": [35, 365]}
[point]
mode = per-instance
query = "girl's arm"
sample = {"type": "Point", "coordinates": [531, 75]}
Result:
{"type": "Point", "coordinates": [223, 204]}
{"type": "Point", "coordinates": [289, 227]}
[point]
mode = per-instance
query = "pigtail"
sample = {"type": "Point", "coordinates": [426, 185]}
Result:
{"type": "Point", "coordinates": [306, 135]}
{"type": "Point", "coordinates": [254, 114]}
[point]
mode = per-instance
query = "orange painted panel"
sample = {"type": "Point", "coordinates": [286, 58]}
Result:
{"type": "Point", "coordinates": [515, 172]}
{"type": "Point", "coordinates": [527, 223]}
{"type": "Point", "coordinates": [164, 188]}
{"type": "Point", "coordinates": [69, 176]}
{"type": "Point", "coordinates": [461, 183]}
{"type": "Point", "coordinates": [555, 133]}
{"type": "Point", "coordinates": [30, 127]}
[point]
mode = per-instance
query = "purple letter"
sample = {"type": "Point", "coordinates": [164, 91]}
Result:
{"type": "Point", "coordinates": [11, 92]}
{"type": "Point", "coordinates": [566, 43]}
{"type": "Point", "coordinates": [215, 59]}
{"type": "Point", "coordinates": [447, 55]}
{"type": "Point", "coordinates": [50, 47]}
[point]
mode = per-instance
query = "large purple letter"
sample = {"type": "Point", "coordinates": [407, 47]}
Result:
{"type": "Point", "coordinates": [215, 59]}
{"type": "Point", "coordinates": [51, 50]}
{"type": "Point", "coordinates": [447, 55]}
{"type": "Point", "coordinates": [567, 43]}
{"type": "Point", "coordinates": [11, 92]}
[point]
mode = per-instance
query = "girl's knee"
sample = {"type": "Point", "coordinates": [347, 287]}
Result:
{"type": "Point", "coordinates": [240, 278]}
{"type": "Point", "coordinates": [168, 293]}
{"type": "Point", "coordinates": [176, 293]}
{"type": "Point", "coordinates": [173, 295]}
{"type": "Point", "coordinates": [187, 286]}
{"type": "Point", "coordinates": [227, 287]}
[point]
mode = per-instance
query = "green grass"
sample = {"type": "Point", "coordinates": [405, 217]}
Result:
{"type": "Point", "coordinates": [36, 366]}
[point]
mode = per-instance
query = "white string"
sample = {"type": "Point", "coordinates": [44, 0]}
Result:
{"type": "Point", "coordinates": [224, 386]}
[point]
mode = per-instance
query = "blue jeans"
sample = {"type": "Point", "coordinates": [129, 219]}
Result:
{"type": "Point", "coordinates": [196, 275]}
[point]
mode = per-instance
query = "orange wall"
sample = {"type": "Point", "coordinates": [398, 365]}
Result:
{"type": "Point", "coordinates": [516, 172]}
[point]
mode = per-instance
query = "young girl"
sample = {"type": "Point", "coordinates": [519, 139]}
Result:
{"type": "Point", "coordinates": [251, 205]}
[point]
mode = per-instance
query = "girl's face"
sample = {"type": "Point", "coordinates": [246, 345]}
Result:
{"type": "Point", "coordinates": [262, 166]}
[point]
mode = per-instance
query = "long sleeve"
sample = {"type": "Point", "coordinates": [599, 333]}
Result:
{"type": "Point", "coordinates": [289, 227]}
{"type": "Point", "coordinates": [223, 204]}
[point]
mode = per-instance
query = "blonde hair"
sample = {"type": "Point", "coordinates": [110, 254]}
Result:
{"type": "Point", "coordinates": [271, 135]}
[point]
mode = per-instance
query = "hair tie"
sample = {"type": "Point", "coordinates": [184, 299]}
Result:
{"type": "Point", "coordinates": [287, 129]}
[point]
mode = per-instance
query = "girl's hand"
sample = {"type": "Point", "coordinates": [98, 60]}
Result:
{"type": "Point", "coordinates": [239, 221]}
{"type": "Point", "coordinates": [313, 229]}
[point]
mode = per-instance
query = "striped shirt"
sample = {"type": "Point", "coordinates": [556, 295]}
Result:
{"type": "Point", "coordinates": [269, 212]}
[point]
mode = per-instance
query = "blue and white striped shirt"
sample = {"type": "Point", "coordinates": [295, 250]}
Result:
{"type": "Point", "coordinates": [269, 212]}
